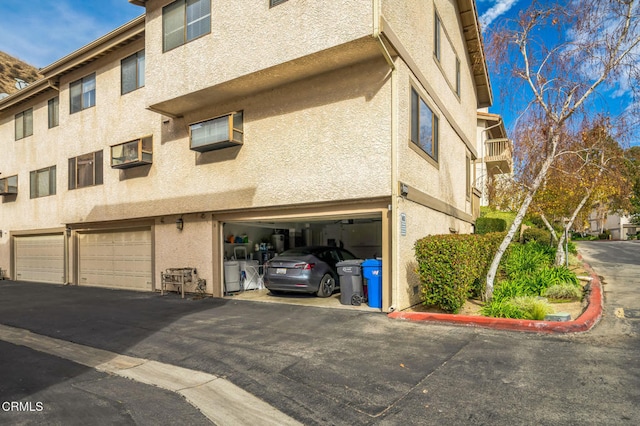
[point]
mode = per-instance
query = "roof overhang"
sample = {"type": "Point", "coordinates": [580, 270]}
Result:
{"type": "Point", "coordinates": [29, 92]}
{"type": "Point", "coordinates": [495, 124]}
{"type": "Point", "coordinates": [475, 49]}
{"type": "Point", "coordinates": [138, 2]}
{"type": "Point", "coordinates": [131, 31]}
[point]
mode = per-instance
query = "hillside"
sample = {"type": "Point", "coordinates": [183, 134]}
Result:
{"type": "Point", "coordinates": [12, 68]}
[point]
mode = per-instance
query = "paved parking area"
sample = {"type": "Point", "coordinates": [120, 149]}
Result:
{"type": "Point", "coordinates": [334, 366]}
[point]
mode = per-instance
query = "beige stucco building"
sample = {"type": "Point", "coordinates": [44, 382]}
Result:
{"type": "Point", "coordinates": [350, 123]}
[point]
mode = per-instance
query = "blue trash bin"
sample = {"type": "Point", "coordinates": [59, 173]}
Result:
{"type": "Point", "coordinates": [372, 271]}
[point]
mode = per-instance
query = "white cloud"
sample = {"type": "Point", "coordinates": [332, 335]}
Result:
{"type": "Point", "coordinates": [40, 32]}
{"type": "Point", "coordinates": [499, 8]}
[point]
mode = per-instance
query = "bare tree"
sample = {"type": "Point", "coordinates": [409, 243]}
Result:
{"type": "Point", "coordinates": [563, 54]}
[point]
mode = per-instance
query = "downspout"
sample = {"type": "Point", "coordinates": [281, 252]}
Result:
{"type": "Point", "coordinates": [394, 250]}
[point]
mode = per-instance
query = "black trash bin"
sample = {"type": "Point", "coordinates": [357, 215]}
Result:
{"type": "Point", "coordinates": [350, 272]}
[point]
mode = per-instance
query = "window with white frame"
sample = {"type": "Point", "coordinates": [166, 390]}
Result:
{"type": "Point", "coordinates": [53, 109]}
{"type": "Point", "coordinates": [43, 182]}
{"type": "Point", "coordinates": [424, 126]}
{"type": "Point", "coordinates": [185, 20]}
{"type": "Point", "coordinates": [82, 93]}
{"type": "Point", "coordinates": [132, 72]}
{"type": "Point", "coordinates": [24, 124]}
{"type": "Point", "coordinates": [85, 170]}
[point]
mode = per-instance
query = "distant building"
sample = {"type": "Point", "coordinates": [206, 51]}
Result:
{"type": "Point", "coordinates": [495, 154]}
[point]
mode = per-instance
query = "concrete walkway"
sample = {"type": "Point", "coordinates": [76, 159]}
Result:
{"type": "Point", "coordinates": [218, 399]}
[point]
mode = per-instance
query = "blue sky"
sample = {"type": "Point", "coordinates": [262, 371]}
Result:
{"type": "Point", "coordinates": [40, 32]}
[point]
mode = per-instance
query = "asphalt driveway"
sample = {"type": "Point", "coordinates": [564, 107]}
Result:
{"type": "Point", "coordinates": [327, 366]}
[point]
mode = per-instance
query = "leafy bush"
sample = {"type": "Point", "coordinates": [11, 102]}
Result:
{"type": "Point", "coordinates": [563, 291]}
{"type": "Point", "coordinates": [508, 289]}
{"type": "Point", "coordinates": [521, 307]}
{"type": "Point", "coordinates": [507, 216]}
{"type": "Point", "coordinates": [525, 259]}
{"type": "Point", "coordinates": [452, 267]}
{"type": "Point", "coordinates": [542, 236]}
{"type": "Point", "coordinates": [485, 225]}
{"type": "Point", "coordinates": [605, 235]}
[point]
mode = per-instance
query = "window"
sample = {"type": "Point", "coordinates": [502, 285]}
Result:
{"type": "Point", "coordinates": [131, 154]}
{"type": "Point", "coordinates": [218, 133]}
{"type": "Point", "coordinates": [468, 171]}
{"type": "Point", "coordinates": [275, 2]}
{"type": "Point", "coordinates": [9, 185]}
{"type": "Point", "coordinates": [24, 124]}
{"type": "Point", "coordinates": [458, 77]}
{"type": "Point", "coordinates": [85, 170]}
{"type": "Point", "coordinates": [436, 37]}
{"type": "Point", "coordinates": [185, 20]}
{"type": "Point", "coordinates": [132, 72]}
{"type": "Point", "coordinates": [54, 111]}
{"type": "Point", "coordinates": [83, 93]}
{"type": "Point", "coordinates": [43, 182]}
{"type": "Point", "coordinates": [424, 126]}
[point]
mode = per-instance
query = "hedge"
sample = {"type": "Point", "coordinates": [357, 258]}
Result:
{"type": "Point", "coordinates": [485, 225]}
{"type": "Point", "coordinates": [453, 267]}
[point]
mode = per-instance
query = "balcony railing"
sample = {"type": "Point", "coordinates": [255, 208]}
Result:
{"type": "Point", "coordinates": [498, 156]}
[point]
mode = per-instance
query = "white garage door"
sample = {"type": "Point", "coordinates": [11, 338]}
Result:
{"type": "Point", "coordinates": [40, 258]}
{"type": "Point", "coordinates": [115, 259]}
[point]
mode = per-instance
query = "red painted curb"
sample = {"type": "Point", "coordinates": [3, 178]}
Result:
{"type": "Point", "coordinates": [585, 322]}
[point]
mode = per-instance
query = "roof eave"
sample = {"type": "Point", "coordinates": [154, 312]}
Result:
{"type": "Point", "coordinates": [475, 49]}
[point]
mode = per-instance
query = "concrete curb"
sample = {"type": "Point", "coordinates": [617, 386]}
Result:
{"type": "Point", "coordinates": [585, 322]}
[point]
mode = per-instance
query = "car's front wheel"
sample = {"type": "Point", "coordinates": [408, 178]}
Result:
{"type": "Point", "coordinates": [327, 285]}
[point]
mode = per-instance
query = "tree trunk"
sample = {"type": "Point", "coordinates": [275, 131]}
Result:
{"type": "Point", "coordinates": [554, 237]}
{"type": "Point", "coordinates": [493, 270]}
{"type": "Point", "coordinates": [560, 253]}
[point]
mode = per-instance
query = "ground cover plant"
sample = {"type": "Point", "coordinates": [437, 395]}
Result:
{"type": "Point", "coordinates": [529, 278]}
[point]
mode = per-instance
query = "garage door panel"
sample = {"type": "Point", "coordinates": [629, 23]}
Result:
{"type": "Point", "coordinates": [116, 259]}
{"type": "Point", "coordinates": [40, 258]}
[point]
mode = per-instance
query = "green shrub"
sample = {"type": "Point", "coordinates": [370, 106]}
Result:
{"type": "Point", "coordinates": [525, 259]}
{"type": "Point", "coordinates": [502, 309]}
{"type": "Point", "coordinates": [542, 236]}
{"type": "Point", "coordinates": [485, 225]}
{"type": "Point", "coordinates": [521, 307]}
{"type": "Point", "coordinates": [453, 267]}
{"type": "Point", "coordinates": [505, 290]}
{"type": "Point", "coordinates": [605, 235]}
{"type": "Point", "coordinates": [563, 291]}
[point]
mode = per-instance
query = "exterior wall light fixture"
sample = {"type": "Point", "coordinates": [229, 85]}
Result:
{"type": "Point", "coordinates": [179, 224]}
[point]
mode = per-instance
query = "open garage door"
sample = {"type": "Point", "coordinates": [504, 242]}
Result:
{"type": "Point", "coordinates": [40, 258]}
{"type": "Point", "coordinates": [116, 259]}
{"type": "Point", "coordinates": [253, 242]}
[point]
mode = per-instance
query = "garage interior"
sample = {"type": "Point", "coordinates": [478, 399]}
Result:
{"type": "Point", "coordinates": [249, 244]}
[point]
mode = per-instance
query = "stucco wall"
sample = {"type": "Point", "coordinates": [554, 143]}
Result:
{"type": "Point", "coordinates": [247, 36]}
{"type": "Point", "coordinates": [413, 23]}
{"type": "Point", "coordinates": [420, 222]}
{"type": "Point", "coordinates": [445, 180]}
{"type": "Point", "coordinates": [317, 140]}
{"type": "Point", "coordinates": [191, 247]}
